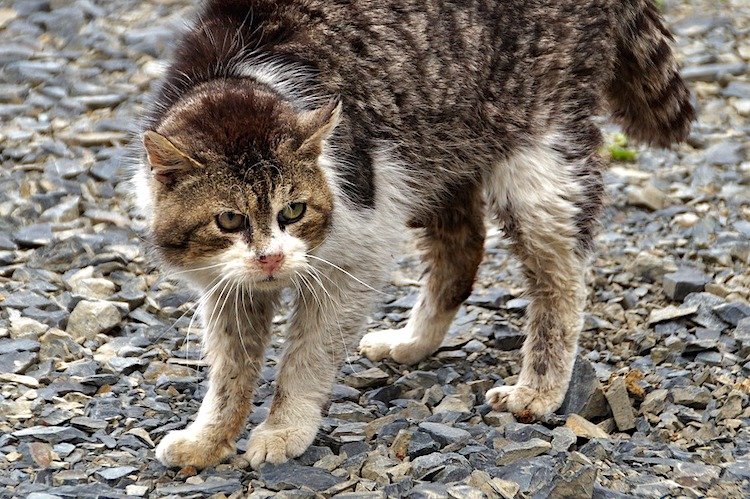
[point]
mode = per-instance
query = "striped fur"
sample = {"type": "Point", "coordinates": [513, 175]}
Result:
{"type": "Point", "coordinates": [647, 95]}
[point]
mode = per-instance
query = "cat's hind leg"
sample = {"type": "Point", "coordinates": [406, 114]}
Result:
{"type": "Point", "coordinates": [548, 199]}
{"type": "Point", "coordinates": [452, 242]}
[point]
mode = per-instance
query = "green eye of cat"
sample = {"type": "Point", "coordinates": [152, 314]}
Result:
{"type": "Point", "coordinates": [291, 213]}
{"type": "Point", "coordinates": [230, 221]}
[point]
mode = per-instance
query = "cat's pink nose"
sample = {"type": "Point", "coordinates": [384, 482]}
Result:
{"type": "Point", "coordinates": [270, 263]}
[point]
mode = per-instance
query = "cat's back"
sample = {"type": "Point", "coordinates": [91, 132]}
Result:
{"type": "Point", "coordinates": [436, 60]}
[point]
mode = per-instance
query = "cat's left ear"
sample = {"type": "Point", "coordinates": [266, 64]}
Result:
{"type": "Point", "coordinates": [316, 126]}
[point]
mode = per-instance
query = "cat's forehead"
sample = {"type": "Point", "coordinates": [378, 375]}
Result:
{"type": "Point", "coordinates": [240, 124]}
{"type": "Point", "coordinates": [257, 184]}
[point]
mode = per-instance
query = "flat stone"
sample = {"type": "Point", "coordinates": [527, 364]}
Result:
{"type": "Point", "coordinates": [25, 327]}
{"type": "Point", "coordinates": [522, 450]}
{"type": "Point", "coordinates": [574, 483]}
{"type": "Point", "coordinates": [585, 395]}
{"type": "Point", "coordinates": [671, 313]}
{"type": "Point", "coordinates": [724, 153]}
{"type": "Point", "coordinates": [584, 428]}
{"type": "Point", "coordinates": [116, 472]}
{"type": "Point", "coordinates": [213, 485]}
{"type": "Point", "coordinates": [655, 401]}
{"type": "Point", "coordinates": [349, 411]}
{"type": "Point", "coordinates": [65, 168]}
{"type": "Point", "coordinates": [20, 379]}
{"type": "Point", "coordinates": [428, 464]}
{"type": "Point", "coordinates": [735, 88]}
{"type": "Point", "coordinates": [520, 432]}
{"type": "Point", "coordinates": [18, 345]}
{"type": "Point", "coordinates": [678, 285]}
{"type": "Point", "coordinates": [740, 470]}
{"type": "Point", "coordinates": [691, 396]}
{"type": "Point", "coordinates": [418, 379]}
{"type": "Point", "coordinates": [100, 101]}
{"type": "Point", "coordinates": [732, 313]}
{"type": "Point", "coordinates": [742, 332]}
{"type": "Point", "coordinates": [25, 299]}
{"type": "Point", "coordinates": [17, 362]}
{"type": "Point", "coordinates": [517, 304]}
{"type": "Point", "coordinates": [453, 403]}
{"type": "Point", "coordinates": [444, 434]}
{"type": "Point", "coordinates": [507, 337]}
{"type": "Point", "coordinates": [619, 403]}
{"type": "Point", "coordinates": [368, 378]}
{"type": "Point", "coordinates": [712, 72]}
{"type": "Point", "coordinates": [420, 444]}
{"type": "Point", "coordinates": [405, 303]}
{"type": "Point", "coordinates": [563, 439]}
{"type": "Point", "coordinates": [648, 196]}
{"type": "Point", "coordinates": [51, 434]}
{"type": "Point", "coordinates": [493, 299]}
{"type": "Point", "coordinates": [136, 490]}
{"type": "Point", "coordinates": [41, 454]}
{"type": "Point", "coordinates": [290, 475]}
{"type": "Point", "coordinates": [33, 236]}
{"type": "Point", "coordinates": [465, 492]}
{"type": "Point", "coordinates": [88, 139]}
{"type": "Point", "coordinates": [93, 288]}
{"type": "Point", "coordinates": [385, 394]}
{"type": "Point", "coordinates": [497, 418]}
{"type": "Point", "coordinates": [90, 318]}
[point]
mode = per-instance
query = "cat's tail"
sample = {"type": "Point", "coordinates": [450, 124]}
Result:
{"type": "Point", "coordinates": [647, 95]}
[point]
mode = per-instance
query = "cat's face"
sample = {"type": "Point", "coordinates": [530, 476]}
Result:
{"type": "Point", "coordinates": [236, 186]}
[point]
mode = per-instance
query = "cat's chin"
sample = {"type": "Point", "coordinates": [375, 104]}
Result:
{"type": "Point", "coordinates": [271, 283]}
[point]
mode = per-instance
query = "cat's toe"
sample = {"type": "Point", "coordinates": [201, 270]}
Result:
{"type": "Point", "coordinates": [523, 401]}
{"type": "Point", "coordinates": [396, 344]}
{"type": "Point", "coordinates": [276, 444]}
{"type": "Point", "coordinates": [377, 345]}
{"type": "Point", "coordinates": [185, 448]}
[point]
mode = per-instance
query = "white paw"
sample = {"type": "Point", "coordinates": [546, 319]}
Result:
{"type": "Point", "coordinates": [189, 448]}
{"type": "Point", "coordinates": [276, 444]}
{"type": "Point", "coordinates": [397, 344]}
{"type": "Point", "coordinates": [523, 401]}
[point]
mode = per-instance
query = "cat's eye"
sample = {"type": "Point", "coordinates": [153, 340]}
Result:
{"type": "Point", "coordinates": [230, 221]}
{"type": "Point", "coordinates": [291, 213]}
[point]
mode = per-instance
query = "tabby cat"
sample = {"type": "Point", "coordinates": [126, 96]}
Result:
{"type": "Point", "coordinates": [292, 142]}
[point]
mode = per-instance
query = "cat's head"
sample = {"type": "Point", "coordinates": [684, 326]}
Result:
{"type": "Point", "coordinates": [235, 183]}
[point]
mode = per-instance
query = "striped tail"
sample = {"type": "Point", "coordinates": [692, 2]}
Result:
{"type": "Point", "coordinates": [647, 95]}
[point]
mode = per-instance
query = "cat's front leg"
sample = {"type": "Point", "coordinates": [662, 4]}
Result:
{"type": "Point", "coordinates": [323, 331]}
{"type": "Point", "coordinates": [237, 333]}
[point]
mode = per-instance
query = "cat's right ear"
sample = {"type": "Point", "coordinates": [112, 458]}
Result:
{"type": "Point", "coordinates": [316, 126]}
{"type": "Point", "coordinates": [166, 160]}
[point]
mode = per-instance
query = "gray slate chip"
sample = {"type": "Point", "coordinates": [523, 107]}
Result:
{"type": "Point", "coordinates": [291, 475]}
{"type": "Point", "coordinates": [33, 236]}
{"type": "Point", "coordinates": [213, 485]}
{"type": "Point", "coordinates": [678, 285]}
{"type": "Point", "coordinates": [19, 345]}
{"type": "Point", "coordinates": [444, 434]}
{"type": "Point", "coordinates": [51, 434]}
{"type": "Point", "coordinates": [17, 362]}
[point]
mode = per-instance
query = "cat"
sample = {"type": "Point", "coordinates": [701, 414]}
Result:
{"type": "Point", "coordinates": [292, 143]}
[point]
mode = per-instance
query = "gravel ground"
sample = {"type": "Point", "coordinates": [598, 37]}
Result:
{"type": "Point", "coordinates": [98, 359]}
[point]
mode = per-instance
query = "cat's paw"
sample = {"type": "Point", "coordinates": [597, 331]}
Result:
{"type": "Point", "coordinates": [523, 401]}
{"type": "Point", "coordinates": [186, 448]}
{"type": "Point", "coordinates": [276, 444]}
{"type": "Point", "coordinates": [397, 344]}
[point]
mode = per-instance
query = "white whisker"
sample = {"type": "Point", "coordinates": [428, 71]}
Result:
{"type": "Point", "coordinates": [346, 273]}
